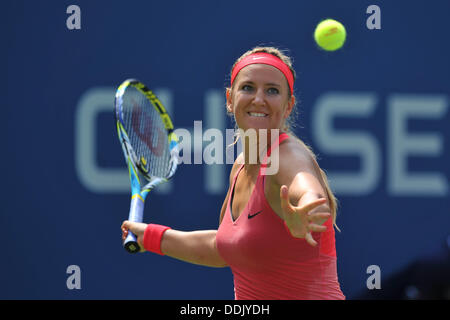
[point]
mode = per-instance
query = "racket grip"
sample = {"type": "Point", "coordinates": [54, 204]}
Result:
{"type": "Point", "coordinates": [131, 244]}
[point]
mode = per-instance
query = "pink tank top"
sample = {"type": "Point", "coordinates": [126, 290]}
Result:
{"type": "Point", "coordinates": [266, 261]}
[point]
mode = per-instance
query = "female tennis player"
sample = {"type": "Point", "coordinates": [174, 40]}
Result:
{"type": "Point", "coordinates": [276, 232]}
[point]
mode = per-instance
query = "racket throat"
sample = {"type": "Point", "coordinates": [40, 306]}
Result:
{"type": "Point", "coordinates": [136, 208]}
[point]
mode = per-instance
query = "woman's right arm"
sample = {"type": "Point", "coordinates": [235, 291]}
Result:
{"type": "Point", "coordinates": [197, 247]}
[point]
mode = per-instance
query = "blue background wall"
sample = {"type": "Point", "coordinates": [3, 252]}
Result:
{"type": "Point", "coordinates": [55, 214]}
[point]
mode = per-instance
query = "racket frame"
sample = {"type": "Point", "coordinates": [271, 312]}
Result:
{"type": "Point", "coordinates": [139, 193]}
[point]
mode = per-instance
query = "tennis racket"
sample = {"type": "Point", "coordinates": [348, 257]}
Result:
{"type": "Point", "coordinates": [149, 145]}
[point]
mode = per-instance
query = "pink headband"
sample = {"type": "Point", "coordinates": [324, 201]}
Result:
{"type": "Point", "coordinates": [264, 58]}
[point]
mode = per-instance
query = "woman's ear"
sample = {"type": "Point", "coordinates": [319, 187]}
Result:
{"type": "Point", "coordinates": [229, 103]}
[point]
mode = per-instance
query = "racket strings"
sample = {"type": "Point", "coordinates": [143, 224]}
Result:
{"type": "Point", "coordinates": [147, 134]}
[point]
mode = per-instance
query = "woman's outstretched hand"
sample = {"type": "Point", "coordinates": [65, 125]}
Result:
{"type": "Point", "coordinates": [300, 221]}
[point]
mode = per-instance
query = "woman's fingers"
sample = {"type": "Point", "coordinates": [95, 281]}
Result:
{"type": "Point", "coordinates": [310, 239]}
{"type": "Point", "coordinates": [316, 227]}
{"type": "Point", "coordinates": [311, 222]}
{"type": "Point", "coordinates": [312, 205]}
{"type": "Point", "coordinates": [289, 208]}
{"type": "Point", "coordinates": [319, 216]}
{"type": "Point", "coordinates": [125, 227]}
{"type": "Point", "coordinates": [137, 228]}
{"type": "Point", "coordinates": [284, 197]}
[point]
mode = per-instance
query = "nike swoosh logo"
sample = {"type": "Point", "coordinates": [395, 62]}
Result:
{"type": "Point", "coordinates": [254, 215]}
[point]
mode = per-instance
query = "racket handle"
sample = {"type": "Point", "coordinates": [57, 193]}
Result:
{"type": "Point", "coordinates": [131, 244]}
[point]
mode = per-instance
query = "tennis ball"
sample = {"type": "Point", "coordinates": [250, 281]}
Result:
{"type": "Point", "coordinates": [330, 35]}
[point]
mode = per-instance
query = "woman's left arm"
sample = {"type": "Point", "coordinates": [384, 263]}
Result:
{"type": "Point", "coordinates": [303, 200]}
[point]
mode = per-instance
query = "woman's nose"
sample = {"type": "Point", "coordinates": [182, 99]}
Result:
{"type": "Point", "coordinates": [259, 98]}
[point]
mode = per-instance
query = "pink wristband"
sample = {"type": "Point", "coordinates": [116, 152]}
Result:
{"type": "Point", "coordinates": [152, 238]}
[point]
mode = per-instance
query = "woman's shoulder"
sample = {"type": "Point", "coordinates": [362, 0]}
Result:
{"type": "Point", "coordinates": [295, 149]}
{"type": "Point", "coordinates": [295, 156]}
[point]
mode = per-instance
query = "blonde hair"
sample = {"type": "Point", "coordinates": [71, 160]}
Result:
{"type": "Point", "coordinates": [290, 122]}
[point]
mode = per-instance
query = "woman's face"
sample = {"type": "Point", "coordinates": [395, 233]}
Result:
{"type": "Point", "coordinates": [260, 98]}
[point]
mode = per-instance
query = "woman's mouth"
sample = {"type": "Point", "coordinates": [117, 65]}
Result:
{"type": "Point", "coordinates": [257, 114]}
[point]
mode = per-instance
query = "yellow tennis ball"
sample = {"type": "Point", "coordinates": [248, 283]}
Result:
{"type": "Point", "coordinates": [330, 34]}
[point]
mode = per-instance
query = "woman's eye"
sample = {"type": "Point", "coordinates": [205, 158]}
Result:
{"type": "Point", "coordinates": [247, 87]}
{"type": "Point", "coordinates": [273, 91]}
